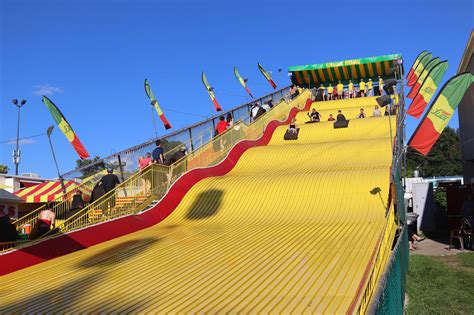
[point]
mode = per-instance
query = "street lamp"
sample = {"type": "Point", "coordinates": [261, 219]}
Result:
{"type": "Point", "coordinates": [49, 132]}
{"type": "Point", "coordinates": [16, 153]}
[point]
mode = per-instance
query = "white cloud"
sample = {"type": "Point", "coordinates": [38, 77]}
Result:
{"type": "Point", "coordinates": [22, 141]}
{"type": "Point", "coordinates": [46, 89]}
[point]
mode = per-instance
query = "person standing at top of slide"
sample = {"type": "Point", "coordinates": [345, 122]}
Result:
{"type": "Point", "coordinates": [351, 89]}
{"type": "Point", "coordinates": [330, 91]}
{"type": "Point", "coordinates": [362, 88]}
{"type": "Point", "coordinates": [222, 125]}
{"type": "Point", "coordinates": [340, 90]}
{"type": "Point", "coordinates": [158, 153]}
{"type": "Point", "coordinates": [370, 88]}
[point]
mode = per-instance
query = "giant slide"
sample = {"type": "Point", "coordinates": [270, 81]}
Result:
{"type": "Point", "coordinates": [292, 228]}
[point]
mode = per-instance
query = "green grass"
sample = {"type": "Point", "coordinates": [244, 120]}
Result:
{"type": "Point", "coordinates": [441, 285]}
{"type": "Point", "coordinates": [467, 260]}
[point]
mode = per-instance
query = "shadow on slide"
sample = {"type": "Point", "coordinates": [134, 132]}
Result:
{"type": "Point", "coordinates": [205, 205]}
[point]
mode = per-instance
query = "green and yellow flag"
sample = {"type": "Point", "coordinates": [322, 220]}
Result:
{"type": "Point", "coordinates": [210, 92]}
{"type": "Point", "coordinates": [154, 103]}
{"type": "Point", "coordinates": [415, 63]}
{"type": "Point", "coordinates": [416, 87]}
{"type": "Point", "coordinates": [267, 76]}
{"type": "Point", "coordinates": [419, 68]}
{"type": "Point", "coordinates": [242, 81]}
{"type": "Point", "coordinates": [65, 128]}
{"type": "Point", "coordinates": [441, 111]}
{"type": "Point", "coordinates": [427, 89]}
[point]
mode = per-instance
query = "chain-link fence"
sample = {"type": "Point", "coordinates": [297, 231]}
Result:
{"type": "Point", "coordinates": [389, 296]}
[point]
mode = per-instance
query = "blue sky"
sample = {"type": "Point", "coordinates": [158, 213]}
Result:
{"type": "Point", "coordinates": [91, 57]}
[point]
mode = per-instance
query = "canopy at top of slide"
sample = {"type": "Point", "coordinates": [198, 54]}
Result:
{"type": "Point", "coordinates": [331, 72]}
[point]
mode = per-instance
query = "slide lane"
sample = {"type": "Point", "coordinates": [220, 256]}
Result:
{"type": "Point", "coordinates": [290, 229]}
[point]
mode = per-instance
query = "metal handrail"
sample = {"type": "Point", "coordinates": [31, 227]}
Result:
{"type": "Point", "coordinates": [161, 177]}
{"type": "Point", "coordinates": [61, 206]}
{"type": "Point", "coordinates": [150, 142]}
{"type": "Point", "coordinates": [62, 203]}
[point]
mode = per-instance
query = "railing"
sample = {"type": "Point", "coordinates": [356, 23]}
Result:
{"type": "Point", "coordinates": [191, 137]}
{"type": "Point", "coordinates": [61, 206]}
{"type": "Point", "coordinates": [137, 192]}
{"type": "Point", "coordinates": [382, 255]}
{"type": "Point", "coordinates": [129, 197]}
{"type": "Point", "coordinates": [395, 220]}
{"type": "Point", "coordinates": [213, 152]}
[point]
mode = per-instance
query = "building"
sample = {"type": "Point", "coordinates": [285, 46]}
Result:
{"type": "Point", "coordinates": [466, 116]}
{"type": "Point", "coordinates": [12, 183]}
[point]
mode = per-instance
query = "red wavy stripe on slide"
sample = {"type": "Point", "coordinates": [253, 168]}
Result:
{"type": "Point", "coordinates": [68, 243]}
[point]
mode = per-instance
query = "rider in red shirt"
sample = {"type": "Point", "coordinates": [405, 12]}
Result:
{"type": "Point", "coordinates": [222, 125]}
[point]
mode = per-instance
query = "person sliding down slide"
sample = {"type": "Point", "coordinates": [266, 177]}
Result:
{"type": "Point", "coordinates": [341, 121]}
{"type": "Point", "coordinates": [292, 132]}
{"type": "Point", "coordinates": [314, 116]}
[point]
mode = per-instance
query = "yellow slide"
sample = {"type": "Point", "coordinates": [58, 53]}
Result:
{"type": "Point", "coordinates": [290, 229]}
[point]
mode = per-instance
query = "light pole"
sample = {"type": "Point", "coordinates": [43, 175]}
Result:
{"type": "Point", "coordinates": [49, 132]}
{"type": "Point", "coordinates": [16, 153]}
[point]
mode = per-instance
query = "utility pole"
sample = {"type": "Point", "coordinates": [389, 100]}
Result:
{"type": "Point", "coordinates": [16, 152]}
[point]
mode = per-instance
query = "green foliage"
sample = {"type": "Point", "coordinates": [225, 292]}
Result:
{"type": "Point", "coordinates": [4, 169]}
{"type": "Point", "coordinates": [170, 145]}
{"type": "Point", "coordinates": [440, 197]}
{"type": "Point", "coordinates": [436, 288]}
{"type": "Point", "coordinates": [97, 167]}
{"type": "Point", "coordinates": [444, 158]}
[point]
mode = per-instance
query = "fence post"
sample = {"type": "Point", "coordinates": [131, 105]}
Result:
{"type": "Point", "coordinates": [191, 140]}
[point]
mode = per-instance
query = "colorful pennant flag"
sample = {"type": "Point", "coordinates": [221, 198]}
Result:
{"type": "Point", "coordinates": [267, 76]}
{"type": "Point", "coordinates": [442, 108]}
{"type": "Point", "coordinates": [416, 87]}
{"type": "Point", "coordinates": [421, 66]}
{"type": "Point", "coordinates": [242, 81]}
{"type": "Point", "coordinates": [415, 63]}
{"type": "Point", "coordinates": [427, 89]}
{"type": "Point", "coordinates": [66, 128]}
{"type": "Point", "coordinates": [211, 93]}
{"type": "Point", "coordinates": [154, 103]}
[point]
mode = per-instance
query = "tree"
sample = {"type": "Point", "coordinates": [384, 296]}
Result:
{"type": "Point", "coordinates": [4, 169]}
{"type": "Point", "coordinates": [89, 167]}
{"type": "Point", "coordinates": [444, 159]}
{"type": "Point", "coordinates": [170, 145]}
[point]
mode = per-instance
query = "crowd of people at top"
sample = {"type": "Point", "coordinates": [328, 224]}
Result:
{"type": "Point", "coordinates": [315, 116]}
{"type": "Point", "coordinates": [339, 91]}
{"type": "Point", "coordinates": [258, 109]}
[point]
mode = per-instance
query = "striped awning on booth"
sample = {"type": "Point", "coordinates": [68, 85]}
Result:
{"type": "Point", "coordinates": [331, 72]}
{"type": "Point", "coordinates": [48, 191]}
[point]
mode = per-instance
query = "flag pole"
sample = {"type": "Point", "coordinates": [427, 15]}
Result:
{"type": "Point", "coordinates": [154, 121]}
{"type": "Point", "coordinates": [49, 132]}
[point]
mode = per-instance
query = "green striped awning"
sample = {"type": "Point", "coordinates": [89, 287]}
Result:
{"type": "Point", "coordinates": [332, 72]}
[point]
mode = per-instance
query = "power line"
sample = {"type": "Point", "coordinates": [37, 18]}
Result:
{"type": "Point", "coordinates": [184, 113]}
{"type": "Point", "coordinates": [24, 138]}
